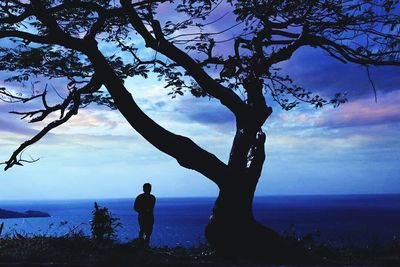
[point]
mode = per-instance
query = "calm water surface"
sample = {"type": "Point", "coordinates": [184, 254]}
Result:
{"type": "Point", "coordinates": [341, 220]}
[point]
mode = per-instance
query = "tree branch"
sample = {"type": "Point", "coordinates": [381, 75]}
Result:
{"type": "Point", "coordinates": [55, 30]}
{"type": "Point", "coordinates": [74, 98]}
{"type": "Point", "coordinates": [286, 52]}
{"type": "Point", "coordinates": [15, 19]}
{"type": "Point", "coordinates": [11, 98]}
{"type": "Point", "coordinates": [41, 39]}
{"type": "Point", "coordinates": [73, 111]}
{"type": "Point", "coordinates": [92, 86]}
{"type": "Point", "coordinates": [349, 54]}
{"type": "Point", "coordinates": [160, 44]}
{"type": "Point", "coordinates": [184, 150]}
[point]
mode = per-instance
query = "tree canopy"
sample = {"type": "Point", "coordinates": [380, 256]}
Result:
{"type": "Point", "coordinates": [66, 40]}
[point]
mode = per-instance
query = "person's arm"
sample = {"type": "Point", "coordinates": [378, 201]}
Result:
{"type": "Point", "coordinates": [153, 202]}
{"type": "Point", "coordinates": [136, 205]}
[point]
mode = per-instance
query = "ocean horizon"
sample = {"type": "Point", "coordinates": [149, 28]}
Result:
{"type": "Point", "coordinates": [356, 219]}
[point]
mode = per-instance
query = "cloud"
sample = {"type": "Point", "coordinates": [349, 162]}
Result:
{"type": "Point", "coordinates": [211, 117]}
{"type": "Point", "coordinates": [316, 71]}
{"type": "Point", "coordinates": [93, 121]}
{"type": "Point", "coordinates": [360, 112]}
{"type": "Point", "coordinates": [206, 111]}
{"type": "Point", "coordinates": [15, 128]}
{"type": "Point", "coordinates": [10, 123]}
{"type": "Point", "coordinates": [358, 131]}
{"type": "Point", "coordinates": [364, 112]}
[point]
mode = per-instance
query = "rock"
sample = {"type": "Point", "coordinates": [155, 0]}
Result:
{"type": "Point", "coordinates": [8, 214]}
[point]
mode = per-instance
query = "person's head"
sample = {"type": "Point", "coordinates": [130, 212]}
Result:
{"type": "Point", "coordinates": [147, 188]}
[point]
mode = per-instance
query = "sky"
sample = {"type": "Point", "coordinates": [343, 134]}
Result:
{"type": "Point", "coordinates": [353, 149]}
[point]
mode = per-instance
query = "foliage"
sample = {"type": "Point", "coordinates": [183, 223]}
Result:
{"type": "Point", "coordinates": [58, 40]}
{"type": "Point", "coordinates": [103, 225]}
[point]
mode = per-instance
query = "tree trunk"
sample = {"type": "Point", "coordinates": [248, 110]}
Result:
{"type": "Point", "coordinates": [232, 229]}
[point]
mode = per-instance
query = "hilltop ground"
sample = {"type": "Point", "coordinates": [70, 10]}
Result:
{"type": "Point", "coordinates": [79, 250]}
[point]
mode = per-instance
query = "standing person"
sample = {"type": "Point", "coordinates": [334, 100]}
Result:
{"type": "Point", "coordinates": [144, 206]}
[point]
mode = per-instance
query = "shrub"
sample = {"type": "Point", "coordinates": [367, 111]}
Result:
{"type": "Point", "coordinates": [103, 225]}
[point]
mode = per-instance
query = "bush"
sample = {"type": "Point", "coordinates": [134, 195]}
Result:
{"type": "Point", "coordinates": [103, 225]}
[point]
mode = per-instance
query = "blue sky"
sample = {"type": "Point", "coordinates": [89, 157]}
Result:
{"type": "Point", "coordinates": [352, 149]}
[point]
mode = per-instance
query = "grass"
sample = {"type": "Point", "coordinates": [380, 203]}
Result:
{"type": "Point", "coordinates": [81, 250]}
{"type": "Point", "coordinates": [77, 249]}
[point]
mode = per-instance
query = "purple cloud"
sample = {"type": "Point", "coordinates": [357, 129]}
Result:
{"type": "Point", "coordinates": [363, 112]}
{"type": "Point", "coordinates": [13, 125]}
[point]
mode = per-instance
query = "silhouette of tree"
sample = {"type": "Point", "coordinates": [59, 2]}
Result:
{"type": "Point", "coordinates": [61, 39]}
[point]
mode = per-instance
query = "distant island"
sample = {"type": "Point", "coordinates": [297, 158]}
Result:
{"type": "Point", "coordinates": [8, 214]}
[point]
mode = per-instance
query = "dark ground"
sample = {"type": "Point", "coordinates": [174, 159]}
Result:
{"type": "Point", "coordinates": [74, 251]}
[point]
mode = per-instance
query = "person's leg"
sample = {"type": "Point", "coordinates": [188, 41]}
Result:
{"type": "Point", "coordinates": [141, 227]}
{"type": "Point", "coordinates": [141, 233]}
{"type": "Point", "coordinates": [149, 230]}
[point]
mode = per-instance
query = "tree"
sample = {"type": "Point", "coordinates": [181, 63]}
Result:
{"type": "Point", "coordinates": [61, 39]}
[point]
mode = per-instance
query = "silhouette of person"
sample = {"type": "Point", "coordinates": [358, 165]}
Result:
{"type": "Point", "coordinates": [144, 206]}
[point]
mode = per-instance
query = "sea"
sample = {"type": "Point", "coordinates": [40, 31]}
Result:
{"type": "Point", "coordinates": [339, 220]}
